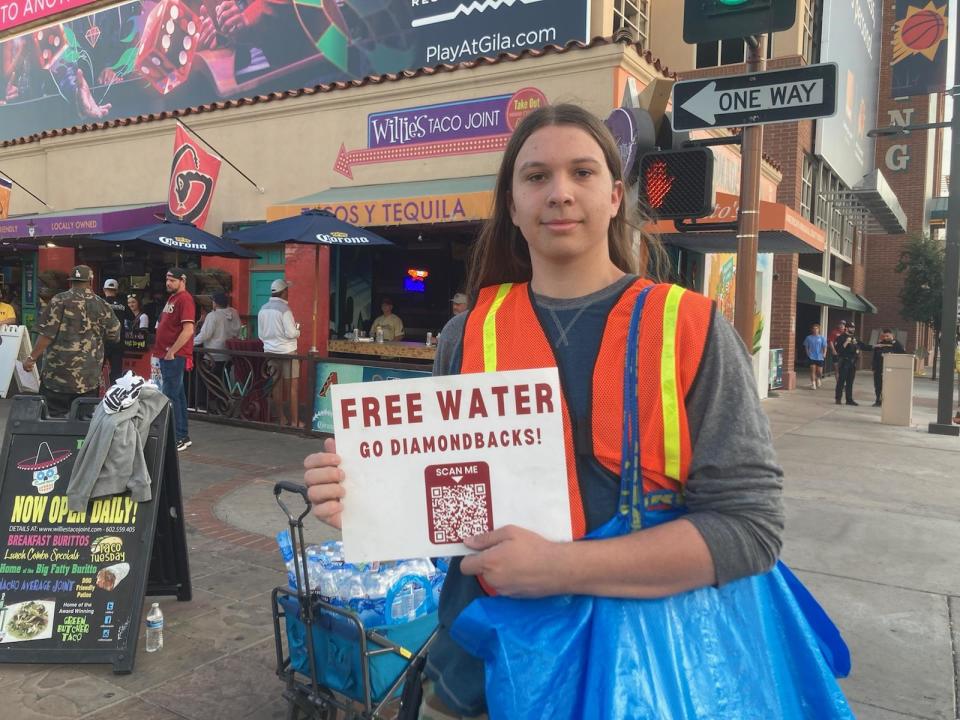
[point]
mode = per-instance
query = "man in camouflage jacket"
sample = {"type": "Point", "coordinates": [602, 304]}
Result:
{"type": "Point", "coordinates": [72, 330]}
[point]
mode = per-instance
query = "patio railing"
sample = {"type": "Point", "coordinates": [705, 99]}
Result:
{"type": "Point", "coordinates": [239, 385]}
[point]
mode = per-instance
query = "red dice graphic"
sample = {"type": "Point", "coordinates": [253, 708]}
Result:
{"type": "Point", "coordinates": [49, 43]}
{"type": "Point", "coordinates": [168, 45]}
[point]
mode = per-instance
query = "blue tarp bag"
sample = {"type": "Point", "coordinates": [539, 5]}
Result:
{"type": "Point", "coordinates": [760, 647]}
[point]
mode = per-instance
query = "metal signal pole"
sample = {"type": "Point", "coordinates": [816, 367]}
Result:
{"type": "Point", "coordinates": [951, 270]}
{"type": "Point", "coordinates": [748, 220]}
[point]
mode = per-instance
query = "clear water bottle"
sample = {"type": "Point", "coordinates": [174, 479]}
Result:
{"type": "Point", "coordinates": [154, 628]}
{"type": "Point", "coordinates": [379, 334]}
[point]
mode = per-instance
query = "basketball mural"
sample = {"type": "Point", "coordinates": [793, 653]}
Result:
{"type": "Point", "coordinates": [919, 48]}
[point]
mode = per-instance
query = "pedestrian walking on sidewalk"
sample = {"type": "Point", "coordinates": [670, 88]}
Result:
{"type": "Point", "coordinates": [554, 279]}
{"type": "Point", "coordinates": [887, 343]}
{"type": "Point", "coordinates": [72, 331]}
{"type": "Point", "coordinates": [815, 345]}
{"type": "Point", "coordinates": [846, 348]}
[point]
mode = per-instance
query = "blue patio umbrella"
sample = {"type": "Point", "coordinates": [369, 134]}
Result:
{"type": "Point", "coordinates": [311, 227]}
{"type": "Point", "coordinates": [179, 236]}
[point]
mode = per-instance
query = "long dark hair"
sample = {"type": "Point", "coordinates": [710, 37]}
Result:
{"type": "Point", "coordinates": [501, 253]}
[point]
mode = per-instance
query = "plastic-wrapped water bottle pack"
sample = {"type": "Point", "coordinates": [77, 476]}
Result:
{"type": "Point", "coordinates": [381, 593]}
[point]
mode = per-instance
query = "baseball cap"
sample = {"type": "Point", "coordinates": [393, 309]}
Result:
{"type": "Point", "coordinates": [459, 299]}
{"type": "Point", "coordinates": [278, 286]}
{"type": "Point", "coordinates": [177, 273]}
{"type": "Point", "coordinates": [81, 273]}
{"type": "Point", "coordinates": [111, 284]}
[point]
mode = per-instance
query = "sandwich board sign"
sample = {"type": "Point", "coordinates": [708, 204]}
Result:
{"type": "Point", "coordinates": [756, 98]}
{"type": "Point", "coordinates": [72, 584]}
{"type": "Point", "coordinates": [15, 346]}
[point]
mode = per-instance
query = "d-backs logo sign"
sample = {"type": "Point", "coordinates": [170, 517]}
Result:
{"type": "Point", "coordinates": [193, 176]}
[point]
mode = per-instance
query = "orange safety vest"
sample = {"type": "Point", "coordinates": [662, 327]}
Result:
{"type": "Point", "coordinates": [503, 333]}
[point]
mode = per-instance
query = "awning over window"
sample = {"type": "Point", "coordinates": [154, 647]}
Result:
{"type": "Point", "coordinates": [937, 209]}
{"type": "Point", "coordinates": [410, 203]}
{"type": "Point", "coordinates": [874, 203]}
{"type": "Point", "coordinates": [81, 221]}
{"type": "Point", "coordinates": [872, 309]}
{"type": "Point", "coordinates": [851, 300]}
{"type": "Point", "coordinates": [782, 230]}
{"type": "Point", "coordinates": [812, 291]}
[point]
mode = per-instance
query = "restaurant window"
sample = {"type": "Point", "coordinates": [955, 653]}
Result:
{"type": "Point", "coordinates": [811, 12]}
{"type": "Point", "coordinates": [807, 190]}
{"type": "Point", "coordinates": [634, 17]}
{"type": "Point", "coordinates": [726, 52]}
{"type": "Point", "coordinates": [821, 198]}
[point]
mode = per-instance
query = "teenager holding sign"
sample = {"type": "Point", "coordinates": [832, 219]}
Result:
{"type": "Point", "coordinates": [554, 274]}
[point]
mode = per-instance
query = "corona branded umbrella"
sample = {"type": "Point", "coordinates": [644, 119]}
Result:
{"type": "Point", "coordinates": [179, 236]}
{"type": "Point", "coordinates": [311, 227]}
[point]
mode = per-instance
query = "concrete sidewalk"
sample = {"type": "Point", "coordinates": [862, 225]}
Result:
{"type": "Point", "coordinates": [873, 527]}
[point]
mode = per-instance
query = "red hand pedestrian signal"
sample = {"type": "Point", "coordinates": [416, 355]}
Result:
{"type": "Point", "coordinates": [677, 184]}
{"type": "Point", "coordinates": [658, 183]}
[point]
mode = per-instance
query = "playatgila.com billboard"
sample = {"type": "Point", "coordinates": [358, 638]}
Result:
{"type": "Point", "coordinates": [146, 57]}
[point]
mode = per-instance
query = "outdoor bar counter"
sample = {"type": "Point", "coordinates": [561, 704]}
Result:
{"type": "Point", "coordinates": [409, 351]}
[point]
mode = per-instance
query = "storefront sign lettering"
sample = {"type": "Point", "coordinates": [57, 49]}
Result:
{"type": "Point", "coordinates": [410, 211]}
{"type": "Point", "coordinates": [20, 12]}
{"type": "Point", "coordinates": [458, 128]}
{"type": "Point", "coordinates": [471, 118]}
{"type": "Point", "coordinates": [91, 225]}
{"type": "Point", "coordinates": [897, 157]}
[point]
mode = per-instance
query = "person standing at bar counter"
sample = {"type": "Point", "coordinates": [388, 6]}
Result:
{"type": "Point", "coordinates": [114, 351]}
{"type": "Point", "coordinates": [458, 303]}
{"type": "Point", "coordinates": [391, 325]}
{"type": "Point", "coordinates": [279, 332]}
{"type": "Point", "coordinates": [139, 320]}
{"type": "Point", "coordinates": [554, 276]}
{"type": "Point", "coordinates": [174, 348]}
{"type": "Point", "coordinates": [72, 330]}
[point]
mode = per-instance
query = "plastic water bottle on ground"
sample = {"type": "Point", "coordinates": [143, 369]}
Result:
{"type": "Point", "coordinates": [154, 628]}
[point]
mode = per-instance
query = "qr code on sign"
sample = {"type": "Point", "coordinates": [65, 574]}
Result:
{"type": "Point", "coordinates": [458, 501]}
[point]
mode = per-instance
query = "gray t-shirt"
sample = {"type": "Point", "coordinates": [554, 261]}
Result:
{"type": "Point", "coordinates": [734, 488]}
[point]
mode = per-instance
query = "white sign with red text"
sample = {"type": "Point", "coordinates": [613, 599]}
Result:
{"type": "Point", "coordinates": [430, 461]}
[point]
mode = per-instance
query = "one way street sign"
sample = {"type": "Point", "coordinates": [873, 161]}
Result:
{"type": "Point", "coordinates": [756, 99]}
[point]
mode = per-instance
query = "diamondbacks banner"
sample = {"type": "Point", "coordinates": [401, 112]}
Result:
{"type": "Point", "coordinates": [193, 177]}
{"type": "Point", "coordinates": [5, 186]}
{"type": "Point", "coordinates": [919, 48]}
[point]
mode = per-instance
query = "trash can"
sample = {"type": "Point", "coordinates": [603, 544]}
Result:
{"type": "Point", "coordinates": [897, 406]}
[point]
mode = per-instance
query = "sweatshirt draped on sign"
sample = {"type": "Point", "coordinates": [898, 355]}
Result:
{"type": "Point", "coordinates": [111, 460]}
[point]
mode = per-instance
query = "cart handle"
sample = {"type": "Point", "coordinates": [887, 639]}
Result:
{"type": "Point", "coordinates": [293, 487]}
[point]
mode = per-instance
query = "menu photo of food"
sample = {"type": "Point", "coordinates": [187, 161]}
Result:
{"type": "Point", "coordinates": [30, 620]}
{"type": "Point", "coordinates": [109, 577]}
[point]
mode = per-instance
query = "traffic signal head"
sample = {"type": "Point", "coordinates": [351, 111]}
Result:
{"type": "Point", "coordinates": [676, 184]}
{"type": "Point", "coordinates": [709, 20]}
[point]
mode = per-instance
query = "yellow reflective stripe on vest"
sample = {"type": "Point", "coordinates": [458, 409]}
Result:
{"type": "Point", "coordinates": [669, 397]}
{"type": "Point", "coordinates": [490, 329]}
